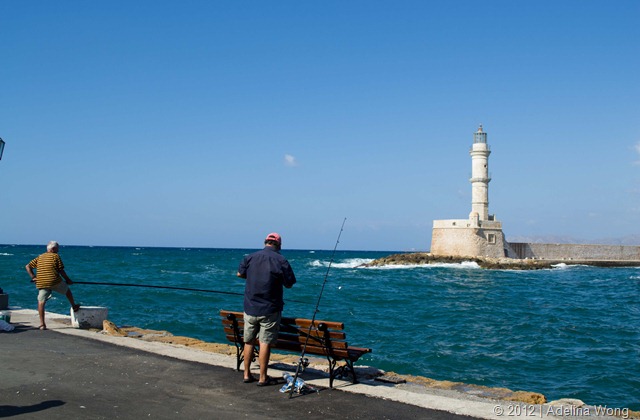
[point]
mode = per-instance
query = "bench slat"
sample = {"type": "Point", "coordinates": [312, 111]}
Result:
{"type": "Point", "coordinates": [350, 353]}
{"type": "Point", "coordinates": [287, 328]}
{"type": "Point", "coordinates": [311, 342]}
{"type": "Point", "coordinates": [333, 335]}
{"type": "Point", "coordinates": [301, 322]}
{"type": "Point", "coordinates": [312, 349]}
{"type": "Point", "coordinates": [294, 338]}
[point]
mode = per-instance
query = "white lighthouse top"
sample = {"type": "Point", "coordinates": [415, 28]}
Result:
{"type": "Point", "coordinates": [480, 136]}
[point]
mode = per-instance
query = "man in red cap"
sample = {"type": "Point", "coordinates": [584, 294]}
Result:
{"type": "Point", "coordinates": [267, 273]}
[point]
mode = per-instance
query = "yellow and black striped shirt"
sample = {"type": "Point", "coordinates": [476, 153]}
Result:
{"type": "Point", "coordinates": [47, 265]}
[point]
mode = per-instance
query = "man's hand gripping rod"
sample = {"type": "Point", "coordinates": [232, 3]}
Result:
{"type": "Point", "coordinates": [301, 361]}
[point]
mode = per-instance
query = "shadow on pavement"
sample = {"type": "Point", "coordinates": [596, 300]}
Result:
{"type": "Point", "coordinates": [14, 410]}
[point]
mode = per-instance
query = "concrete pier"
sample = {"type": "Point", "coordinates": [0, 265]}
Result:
{"type": "Point", "coordinates": [65, 373]}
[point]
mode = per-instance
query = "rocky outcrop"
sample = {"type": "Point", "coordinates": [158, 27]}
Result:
{"type": "Point", "coordinates": [110, 328]}
{"type": "Point", "coordinates": [425, 258]}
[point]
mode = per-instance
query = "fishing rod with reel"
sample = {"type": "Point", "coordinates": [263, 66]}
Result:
{"type": "Point", "coordinates": [153, 286]}
{"type": "Point", "coordinates": [303, 362]}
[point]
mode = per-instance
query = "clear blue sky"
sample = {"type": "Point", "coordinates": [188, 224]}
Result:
{"type": "Point", "coordinates": [212, 123]}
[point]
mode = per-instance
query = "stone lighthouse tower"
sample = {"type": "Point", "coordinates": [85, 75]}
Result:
{"type": "Point", "coordinates": [480, 175]}
{"type": "Point", "coordinates": [481, 234]}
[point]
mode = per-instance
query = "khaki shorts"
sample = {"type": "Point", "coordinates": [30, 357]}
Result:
{"type": "Point", "coordinates": [45, 294]}
{"type": "Point", "coordinates": [265, 328]}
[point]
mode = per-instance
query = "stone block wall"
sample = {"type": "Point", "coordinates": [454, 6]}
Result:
{"type": "Point", "coordinates": [576, 252]}
{"type": "Point", "coordinates": [463, 238]}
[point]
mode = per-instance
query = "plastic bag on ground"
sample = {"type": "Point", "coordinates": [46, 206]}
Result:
{"type": "Point", "coordinates": [5, 326]}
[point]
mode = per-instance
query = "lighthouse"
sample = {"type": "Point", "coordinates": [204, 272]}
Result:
{"type": "Point", "coordinates": [481, 234]}
{"type": "Point", "coordinates": [480, 179]}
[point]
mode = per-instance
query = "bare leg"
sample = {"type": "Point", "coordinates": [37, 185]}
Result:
{"type": "Point", "coordinates": [265, 354]}
{"type": "Point", "coordinates": [43, 326]}
{"type": "Point", "coordinates": [248, 356]}
{"type": "Point", "coordinates": [71, 301]}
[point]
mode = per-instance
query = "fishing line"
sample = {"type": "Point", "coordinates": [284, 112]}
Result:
{"type": "Point", "coordinates": [313, 319]}
{"type": "Point", "coordinates": [172, 288]}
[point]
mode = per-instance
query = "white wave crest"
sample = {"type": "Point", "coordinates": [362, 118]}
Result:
{"type": "Point", "coordinates": [5, 254]}
{"type": "Point", "coordinates": [467, 265]}
{"type": "Point", "coordinates": [348, 263]}
{"type": "Point", "coordinates": [182, 273]}
{"type": "Point", "coordinates": [463, 264]}
{"type": "Point", "coordinates": [563, 266]}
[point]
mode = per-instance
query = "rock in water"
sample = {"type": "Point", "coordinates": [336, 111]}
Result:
{"type": "Point", "coordinates": [110, 328]}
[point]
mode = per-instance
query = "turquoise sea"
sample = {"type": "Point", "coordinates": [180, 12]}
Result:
{"type": "Point", "coordinates": [569, 332]}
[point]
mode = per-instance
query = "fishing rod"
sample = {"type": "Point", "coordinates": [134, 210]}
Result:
{"type": "Point", "coordinates": [153, 286]}
{"type": "Point", "coordinates": [301, 361]}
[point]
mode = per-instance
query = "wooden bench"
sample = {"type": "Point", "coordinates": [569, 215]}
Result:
{"type": "Point", "coordinates": [326, 338]}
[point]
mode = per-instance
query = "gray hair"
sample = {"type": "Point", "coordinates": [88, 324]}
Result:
{"type": "Point", "coordinates": [51, 245]}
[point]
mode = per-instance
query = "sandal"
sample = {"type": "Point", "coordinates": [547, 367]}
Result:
{"type": "Point", "coordinates": [249, 380]}
{"type": "Point", "coordinates": [269, 381]}
{"type": "Point", "coordinates": [42, 327]}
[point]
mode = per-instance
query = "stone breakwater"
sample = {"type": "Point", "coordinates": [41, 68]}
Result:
{"type": "Point", "coordinates": [425, 258]}
{"type": "Point", "coordinates": [320, 365]}
{"type": "Point", "coordinates": [520, 399]}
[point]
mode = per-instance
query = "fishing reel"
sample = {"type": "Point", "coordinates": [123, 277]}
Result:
{"type": "Point", "coordinates": [303, 363]}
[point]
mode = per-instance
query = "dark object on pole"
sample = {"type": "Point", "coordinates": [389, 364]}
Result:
{"type": "Point", "coordinates": [1, 147]}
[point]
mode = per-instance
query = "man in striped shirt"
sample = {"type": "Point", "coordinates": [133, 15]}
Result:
{"type": "Point", "coordinates": [49, 269]}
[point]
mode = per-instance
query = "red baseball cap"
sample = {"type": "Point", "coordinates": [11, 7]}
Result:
{"type": "Point", "coordinates": [274, 237]}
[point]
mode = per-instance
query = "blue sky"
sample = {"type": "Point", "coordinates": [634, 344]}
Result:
{"type": "Point", "coordinates": [210, 123]}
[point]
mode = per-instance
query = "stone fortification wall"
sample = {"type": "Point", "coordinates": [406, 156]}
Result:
{"type": "Point", "coordinates": [576, 252]}
{"type": "Point", "coordinates": [468, 238]}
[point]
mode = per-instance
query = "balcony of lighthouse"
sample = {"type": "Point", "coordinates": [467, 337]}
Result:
{"type": "Point", "coordinates": [485, 148]}
{"type": "Point", "coordinates": [480, 179]}
{"type": "Point", "coordinates": [470, 223]}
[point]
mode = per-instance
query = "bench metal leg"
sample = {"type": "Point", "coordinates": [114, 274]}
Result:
{"type": "Point", "coordinates": [240, 355]}
{"type": "Point", "coordinates": [341, 371]}
{"type": "Point", "coordinates": [332, 371]}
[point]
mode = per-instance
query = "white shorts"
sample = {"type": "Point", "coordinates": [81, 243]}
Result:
{"type": "Point", "coordinates": [45, 294]}
{"type": "Point", "coordinates": [264, 328]}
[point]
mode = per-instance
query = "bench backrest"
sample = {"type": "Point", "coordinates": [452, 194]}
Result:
{"type": "Point", "coordinates": [325, 337]}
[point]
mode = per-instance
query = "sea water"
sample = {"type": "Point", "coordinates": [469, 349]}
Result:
{"type": "Point", "coordinates": [567, 332]}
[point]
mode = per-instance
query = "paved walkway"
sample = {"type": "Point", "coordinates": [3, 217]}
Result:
{"type": "Point", "coordinates": [68, 373]}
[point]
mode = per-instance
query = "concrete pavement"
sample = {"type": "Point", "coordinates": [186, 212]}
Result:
{"type": "Point", "coordinates": [69, 373]}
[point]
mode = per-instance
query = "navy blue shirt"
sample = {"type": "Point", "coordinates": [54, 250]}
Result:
{"type": "Point", "coordinates": [267, 272]}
